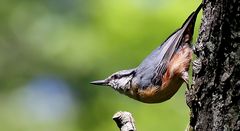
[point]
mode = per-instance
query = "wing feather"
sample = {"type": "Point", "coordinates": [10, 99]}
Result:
{"type": "Point", "coordinates": [157, 61]}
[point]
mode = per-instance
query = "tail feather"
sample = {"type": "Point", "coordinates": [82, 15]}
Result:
{"type": "Point", "coordinates": [188, 25]}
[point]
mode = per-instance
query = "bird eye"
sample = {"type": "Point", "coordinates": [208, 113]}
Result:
{"type": "Point", "coordinates": [115, 76]}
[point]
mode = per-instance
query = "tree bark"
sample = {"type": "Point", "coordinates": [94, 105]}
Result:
{"type": "Point", "coordinates": [214, 99]}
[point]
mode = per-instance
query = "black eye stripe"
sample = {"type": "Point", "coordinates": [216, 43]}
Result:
{"type": "Point", "coordinates": [118, 76]}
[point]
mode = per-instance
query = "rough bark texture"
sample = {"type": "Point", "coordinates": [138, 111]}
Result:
{"type": "Point", "coordinates": [124, 121]}
{"type": "Point", "coordinates": [214, 98]}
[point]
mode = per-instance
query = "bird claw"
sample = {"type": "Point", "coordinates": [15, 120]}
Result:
{"type": "Point", "coordinates": [185, 79]}
{"type": "Point", "coordinates": [197, 65]}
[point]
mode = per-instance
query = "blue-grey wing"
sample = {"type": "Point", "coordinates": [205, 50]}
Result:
{"type": "Point", "coordinates": [155, 64]}
{"type": "Point", "coordinates": [153, 67]}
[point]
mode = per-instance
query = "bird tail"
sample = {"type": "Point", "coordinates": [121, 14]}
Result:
{"type": "Point", "coordinates": [188, 25]}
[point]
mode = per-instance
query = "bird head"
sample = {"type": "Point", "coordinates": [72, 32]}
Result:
{"type": "Point", "coordinates": [119, 81]}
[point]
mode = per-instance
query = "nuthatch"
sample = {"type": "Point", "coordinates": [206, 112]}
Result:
{"type": "Point", "coordinates": [160, 74]}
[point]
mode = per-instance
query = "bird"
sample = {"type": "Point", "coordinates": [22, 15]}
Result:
{"type": "Point", "coordinates": [159, 76]}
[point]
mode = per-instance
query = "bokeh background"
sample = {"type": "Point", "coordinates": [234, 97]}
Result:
{"type": "Point", "coordinates": [51, 49]}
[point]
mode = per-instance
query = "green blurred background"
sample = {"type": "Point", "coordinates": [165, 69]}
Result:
{"type": "Point", "coordinates": [51, 49]}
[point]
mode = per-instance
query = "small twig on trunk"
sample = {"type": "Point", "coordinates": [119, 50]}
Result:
{"type": "Point", "coordinates": [124, 121]}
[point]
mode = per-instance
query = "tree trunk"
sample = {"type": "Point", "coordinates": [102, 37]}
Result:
{"type": "Point", "coordinates": [214, 98]}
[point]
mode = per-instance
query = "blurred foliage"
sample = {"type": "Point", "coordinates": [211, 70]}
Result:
{"type": "Point", "coordinates": [79, 41]}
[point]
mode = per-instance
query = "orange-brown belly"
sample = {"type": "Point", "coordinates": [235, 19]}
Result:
{"type": "Point", "coordinates": [160, 94]}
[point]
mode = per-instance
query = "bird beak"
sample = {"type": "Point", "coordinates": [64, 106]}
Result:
{"type": "Point", "coordinates": [100, 82]}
